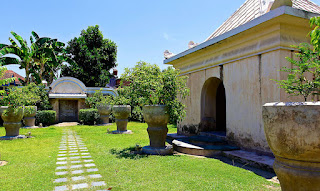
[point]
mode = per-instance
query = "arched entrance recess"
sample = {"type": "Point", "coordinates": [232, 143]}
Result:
{"type": "Point", "coordinates": [213, 106]}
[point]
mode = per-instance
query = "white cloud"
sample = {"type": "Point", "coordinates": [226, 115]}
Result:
{"type": "Point", "coordinates": [166, 36]}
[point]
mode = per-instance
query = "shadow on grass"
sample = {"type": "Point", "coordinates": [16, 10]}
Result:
{"type": "Point", "coordinates": [129, 153]}
{"type": "Point", "coordinates": [264, 173]}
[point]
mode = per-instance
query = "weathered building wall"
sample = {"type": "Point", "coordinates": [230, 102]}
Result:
{"type": "Point", "coordinates": [245, 63]}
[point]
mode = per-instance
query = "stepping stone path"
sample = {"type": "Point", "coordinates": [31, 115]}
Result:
{"type": "Point", "coordinates": [75, 168]}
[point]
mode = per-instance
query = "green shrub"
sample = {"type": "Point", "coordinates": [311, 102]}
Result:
{"type": "Point", "coordinates": [89, 116]}
{"type": "Point", "coordinates": [98, 98]}
{"type": "Point", "coordinates": [46, 117]}
{"type": "Point", "coordinates": [29, 110]}
{"type": "Point", "coordinates": [151, 86]}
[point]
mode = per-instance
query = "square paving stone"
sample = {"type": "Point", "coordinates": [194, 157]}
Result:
{"type": "Point", "coordinates": [74, 154]}
{"type": "Point", "coordinates": [74, 158]}
{"type": "Point", "coordinates": [58, 180]}
{"type": "Point", "coordinates": [86, 150]}
{"type": "Point", "coordinates": [61, 173]}
{"type": "Point", "coordinates": [76, 166]}
{"type": "Point", "coordinates": [101, 183]}
{"type": "Point", "coordinates": [85, 153]}
{"type": "Point", "coordinates": [63, 162]}
{"type": "Point", "coordinates": [61, 155]}
{"type": "Point", "coordinates": [60, 188]}
{"type": "Point", "coordinates": [90, 160]}
{"type": "Point", "coordinates": [95, 176]}
{"type": "Point", "coordinates": [73, 151]}
{"type": "Point", "coordinates": [61, 167]}
{"type": "Point", "coordinates": [89, 165]}
{"type": "Point", "coordinates": [77, 172]}
{"type": "Point", "coordinates": [62, 151]}
{"type": "Point", "coordinates": [75, 161]}
{"type": "Point", "coordinates": [86, 157]}
{"type": "Point", "coordinates": [79, 186]}
{"type": "Point", "coordinates": [63, 158]}
{"type": "Point", "coordinates": [77, 178]}
{"type": "Point", "coordinates": [92, 170]}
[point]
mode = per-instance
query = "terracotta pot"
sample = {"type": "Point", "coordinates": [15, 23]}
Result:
{"type": "Point", "coordinates": [121, 114]}
{"type": "Point", "coordinates": [104, 111]}
{"type": "Point", "coordinates": [29, 118]}
{"type": "Point", "coordinates": [12, 120]}
{"type": "Point", "coordinates": [293, 134]}
{"type": "Point", "coordinates": [157, 118]}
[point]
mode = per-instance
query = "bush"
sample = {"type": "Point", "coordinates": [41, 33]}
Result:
{"type": "Point", "coordinates": [98, 98]}
{"type": "Point", "coordinates": [89, 116]}
{"type": "Point", "coordinates": [151, 86]}
{"type": "Point", "coordinates": [46, 117]}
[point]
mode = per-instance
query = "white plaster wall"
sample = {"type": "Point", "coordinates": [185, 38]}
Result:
{"type": "Point", "coordinates": [243, 103]}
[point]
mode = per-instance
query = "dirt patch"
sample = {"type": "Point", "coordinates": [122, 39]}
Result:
{"type": "Point", "coordinates": [2, 163]}
{"type": "Point", "coordinates": [274, 180]}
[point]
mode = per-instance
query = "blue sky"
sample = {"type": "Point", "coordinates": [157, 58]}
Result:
{"type": "Point", "coordinates": [142, 29]}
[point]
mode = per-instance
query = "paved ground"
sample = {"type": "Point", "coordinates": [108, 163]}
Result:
{"type": "Point", "coordinates": [75, 167]}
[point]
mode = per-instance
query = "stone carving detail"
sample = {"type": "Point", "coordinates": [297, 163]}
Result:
{"type": "Point", "coordinates": [167, 54]}
{"type": "Point", "coordinates": [191, 44]}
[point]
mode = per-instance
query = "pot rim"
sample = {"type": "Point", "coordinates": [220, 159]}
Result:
{"type": "Point", "coordinates": [121, 106]}
{"type": "Point", "coordinates": [161, 105]}
{"type": "Point", "coordinates": [290, 104]}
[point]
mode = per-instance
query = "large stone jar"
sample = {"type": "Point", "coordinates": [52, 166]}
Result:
{"type": "Point", "coordinates": [121, 114]}
{"type": "Point", "coordinates": [30, 116]}
{"type": "Point", "coordinates": [104, 111]}
{"type": "Point", "coordinates": [157, 118]}
{"type": "Point", "coordinates": [12, 120]}
{"type": "Point", "coordinates": [293, 134]}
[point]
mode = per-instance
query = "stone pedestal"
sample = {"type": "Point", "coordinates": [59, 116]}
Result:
{"type": "Point", "coordinates": [157, 118]}
{"type": "Point", "coordinates": [30, 116]}
{"type": "Point", "coordinates": [104, 111]}
{"type": "Point", "coordinates": [29, 122]}
{"type": "Point", "coordinates": [167, 150]}
{"type": "Point", "coordinates": [122, 132]}
{"type": "Point", "coordinates": [121, 113]}
{"type": "Point", "coordinates": [105, 119]}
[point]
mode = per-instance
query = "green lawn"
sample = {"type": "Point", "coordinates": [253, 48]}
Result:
{"type": "Point", "coordinates": [32, 163]}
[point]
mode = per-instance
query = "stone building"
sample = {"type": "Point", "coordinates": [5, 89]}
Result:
{"type": "Point", "coordinates": [229, 73]}
{"type": "Point", "coordinates": [67, 96]}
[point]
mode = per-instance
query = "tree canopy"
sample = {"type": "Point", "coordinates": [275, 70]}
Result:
{"type": "Point", "coordinates": [94, 56]}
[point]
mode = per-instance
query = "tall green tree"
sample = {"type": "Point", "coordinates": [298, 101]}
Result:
{"type": "Point", "coordinates": [94, 56]}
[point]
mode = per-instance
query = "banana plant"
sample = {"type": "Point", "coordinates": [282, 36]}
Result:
{"type": "Point", "coordinates": [43, 58]}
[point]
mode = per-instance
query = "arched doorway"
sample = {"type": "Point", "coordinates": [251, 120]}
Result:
{"type": "Point", "coordinates": [213, 106]}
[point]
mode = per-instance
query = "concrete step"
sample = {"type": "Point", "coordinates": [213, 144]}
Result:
{"type": "Point", "coordinates": [221, 135]}
{"type": "Point", "coordinates": [253, 159]}
{"type": "Point", "coordinates": [173, 136]}
{"type": "Point", "coordinates": [183, 146]}
{"type": "Point", "coordinates": [205, 140]}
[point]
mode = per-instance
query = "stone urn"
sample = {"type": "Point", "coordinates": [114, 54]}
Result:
{"type": "Point", "coordinates": [12, 120]}
{"type": "Point", "coordinates": [121, 114]}
{"type": "Point", "coordinates": [157, 118]}
{"type": "Point", "coordinates": [104, 111]}
{"type": "Point", "coordinates": [30, 116]}
{"type": "Point", "coordinates": [293, 134]}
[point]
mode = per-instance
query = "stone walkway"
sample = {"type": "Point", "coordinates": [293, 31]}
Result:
{"type": "Point", "coordinates": [75, 167]}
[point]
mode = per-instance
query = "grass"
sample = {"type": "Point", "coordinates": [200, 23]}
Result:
{"type": "Point", "coordinates": [32, 163]}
